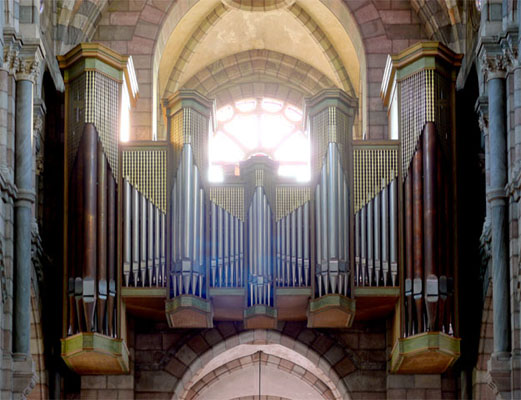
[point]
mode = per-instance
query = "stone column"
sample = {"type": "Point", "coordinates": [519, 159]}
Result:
{"type": "Point", "coordinates": [23, 205]}
{"type": "Point", "coordinates": [496, 71]}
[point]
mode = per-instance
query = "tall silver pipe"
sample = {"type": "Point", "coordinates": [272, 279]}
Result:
{"type": "Point", "coordinates": [226, 248]}
{"type": "Point", "coordinates": [157, 246]}
{"type": "Point", "coordinates": [236, 256]}
{"type": "Point", "coordinates": [323, 208]}
{"type": "Point", "coordinates": [332, 211]}
{"type": "Point", "coordinates": [288, 250]}
{"type": "Point", "coordinates": [162, 271]}
{"type": "Point", "coordinates": [259, 234]}
{"type": "Point", "coordinates": [278, 253]}
{"type": "Point", "coordinates": [128, 230]}
{"type": "Point", "coordinates": [269, 265]}
{"type": "Point", "coordinates": [377, 241]}
{"type": "Point", "coordinates": [151, 239]}
{"type": "Point", "coordinates": [318, 241]}
{"type": "Point", "coordinates": [180, 218]}
{"type": "Point", "coordinates": [195, 220]}
{"type": "Point", "coordinates": [250, 239]}
{"type": "Point", "coordinates": [202, 215]}
{"type": "Point", "coordinates": [341, 216]}
{"type": "Point", "coordinates": [232, 251]}
{"type": "Point", "coordinates": [220, 244]}
{"type": "Point", "coordinates": [213, 261]}
{"type": "Point", "coordinates": [188, 201]}
{"type": "Point", "coordinates": [264, 236]}
{"type": "Point", "coordinates": [135, 234]}
{"type": "Point", "coordinates": [347, 217]}
{"type": "Point", "coordinates": [393, 210]}
{"type": "Point", "coordinates": [293, 247]}
{"type": "Point", "coordinates": [282, 276]}
{"type": "Point", "coordinates": [385, 234]}
{"type": "Point", "coordinates": [363, 243]}
{"type": "Point", "coordinates": [358, 240]}
{"type": "Point", "coordinates": [305, 246]}
{"type": "Point", "coordinates": [173, 233]}
{"type": "Point", "coordinates": [241, 253]}
{"type": "Point", "coordinates": [143, 237]}
{"type": "Point", "coordinates": [370, 227]}
{"type": "Point", "coordinates": [299, 246]}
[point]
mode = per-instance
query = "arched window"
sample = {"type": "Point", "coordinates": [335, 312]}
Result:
{"type": "Point", "coordinates": [264, 126]}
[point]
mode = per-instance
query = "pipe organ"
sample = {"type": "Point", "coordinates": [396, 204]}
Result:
{"type": "Point", "coordinates": [95, 79]}
{"type": "Point", "coordinates": [419, 89]}
{"type": "Point", "coordinates": [374, 226]}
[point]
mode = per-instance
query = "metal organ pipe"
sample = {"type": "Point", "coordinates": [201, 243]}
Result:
{"type": "Point", "coordinates": [293, 247]}
{"type": "Point", "coordinates": [385, 232]}
{"type": "Point", "coordinates": [325, 252]}
{"type": "Point", "coordinates": [417, 162]}
{"type": "Point", "coordinates": [370, 242]}
{"type": "Point", "coordinates": [299, 246]}
{"type": "Point", "coordinates": [377, 241]}
{"type": "Point", "coordinates": [143, 237]}
{"type": "Point", "coordinates": [393, 229]}
{"type": "Point", "coordinates": [151, 240]}
{"type": "Point", "coordinates": [135, 235]}
{"type": "Point", "coordinates": [306, 243]}
{"type": "Point", "coordinates": [318, 226]}
{"type": "Point", "coordinates": [127, 211]}
{"type": "Point", "coordinates": [201, 241]}
{"type": "Point", "coordinates": [213, 262]}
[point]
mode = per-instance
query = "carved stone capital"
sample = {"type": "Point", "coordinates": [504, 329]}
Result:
{"type": "Point", "coordinates": [495, 65]}
{"type": "Point", "coordinates": [483, 123]}
{"type": "Point", "coordinates": [11, 58]}
{"type": "Point", "coordinates": [28, 69]}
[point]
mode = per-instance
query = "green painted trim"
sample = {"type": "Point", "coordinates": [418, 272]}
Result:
{"type": "Point", "coordinates": [89, 64]}
{"type": "Point", "coordinates": [332, 300]}
{"type": "Point", "coordinates": [188, 301]}
{"type": "Point", "coordinates": [260, 310]}
{"type": "Point", "coordinates": [377, 291]}
{"type": "Point", "coordinates": [143, 292]}
{"type": "Point", "coordinates": [438, 342]}
{"type": "Point", "coordinates": [86, 342]}
{"type": "Point", "coordinates": [227, 292]}
{"type": "Point", "coordinates": [301, 291]}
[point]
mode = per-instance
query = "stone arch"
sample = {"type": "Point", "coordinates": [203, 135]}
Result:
{"type": "Point", "coordinates": [259, 73]}
{"type": "Point", "coordinates": [142, 29]}
{"type": "Point", "coordinates": [188, 365]}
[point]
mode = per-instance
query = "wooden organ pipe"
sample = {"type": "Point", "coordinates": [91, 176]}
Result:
{"type": "Point", "coordinates": [90, 172]}
{"type": "Point", "coordinates": [102, 222]}
{"type": "Point", "coordinates": [442, 231]}
{"type": "Point", "coordinates": [417, 170]}
{"type": "Point", "coordinates": [430, 233]}
{"type": "Point", "coordinates": [73, 260]}
{"type": "Point", "coordinates": [409, 254]}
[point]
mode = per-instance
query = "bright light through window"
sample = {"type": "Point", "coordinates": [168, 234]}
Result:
{"type": "Point", "coordinates": [260, 126]}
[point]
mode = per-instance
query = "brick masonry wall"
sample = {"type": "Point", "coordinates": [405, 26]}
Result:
{"type": "Point", "coordinates": [165, 361]}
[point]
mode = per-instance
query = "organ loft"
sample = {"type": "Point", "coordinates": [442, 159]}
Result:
{"type": "Point", "coordinates": [260, 199]}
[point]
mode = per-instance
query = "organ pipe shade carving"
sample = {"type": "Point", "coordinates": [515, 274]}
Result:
{"type": "Point", "coordinates": [230, 198]}
{"type": "Point", "coordinates": [190, 122]}
{"type": "Point", "coordinates": [146, 170]}
{"type": "Point", "coordinates": [289, 198]}
{"type": "Point", "coordinates": [373, 169]}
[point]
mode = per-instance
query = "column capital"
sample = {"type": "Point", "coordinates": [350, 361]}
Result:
{"type": "Point", "coordinates": [495, 65]}
{"type": "Point", "coordinates": [28, 69]}
{"type": "Point", "coordinates": [10, 58]}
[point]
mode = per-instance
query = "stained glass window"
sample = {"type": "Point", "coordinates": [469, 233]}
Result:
{"type": "Point", "coordinates": [265, 126]}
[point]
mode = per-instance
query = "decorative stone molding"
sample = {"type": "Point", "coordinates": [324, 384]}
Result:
{"type": "Point", "coordinates": [28, 68]}
{"type": "Point", "coordinates": [11, 58]}
{"type": "Point", "coordinates": [495, 65]}
{"type": "Point", "coordinates": [38, 143]}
